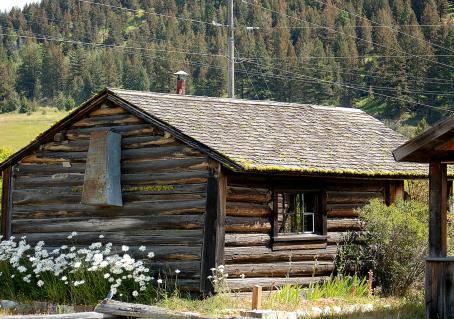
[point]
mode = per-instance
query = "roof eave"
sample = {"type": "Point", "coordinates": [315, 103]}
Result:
{"type": "Point", "coordinates": [414, 149]}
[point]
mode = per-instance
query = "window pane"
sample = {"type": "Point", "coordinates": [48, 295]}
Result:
{"type": "Point", "coordinates": [309, 223]}
{"type": "Point", "coordinates": [296, 212]}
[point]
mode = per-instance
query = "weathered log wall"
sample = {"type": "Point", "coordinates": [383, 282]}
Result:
{"type": "Point", "coordinates": [248, 246]}
{"type": "Point", "coordinates": [163, 187]}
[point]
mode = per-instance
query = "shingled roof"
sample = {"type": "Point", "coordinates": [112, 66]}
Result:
{"type": "Point", "coordinates": [264, 136]}
{"type": "Point", "coordinates": [281, 137]}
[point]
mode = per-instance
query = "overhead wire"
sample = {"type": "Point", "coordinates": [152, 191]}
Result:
{"type": "Point", "coordinates": [389, 27]}
{"type": "Point", "coordinates": [337, 31]}
{"type": "Point", "coordinates": [152, 13]}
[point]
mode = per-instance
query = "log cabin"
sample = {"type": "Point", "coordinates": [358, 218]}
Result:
{"type": "Point", "coordinates": [265, 188]}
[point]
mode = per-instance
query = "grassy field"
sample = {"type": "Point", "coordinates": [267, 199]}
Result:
{"type": "Point", "coordinates": [17, 130]}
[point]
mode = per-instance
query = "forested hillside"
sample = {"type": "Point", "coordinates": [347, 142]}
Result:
{"type": "Point", "coordinates": [395, 58]}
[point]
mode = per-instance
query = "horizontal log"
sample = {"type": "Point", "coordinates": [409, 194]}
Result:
{"type": "Point", "coordinates": [266, 254]}
{"type": "Point", "coordinates": [164, 165]}
{"type": "Point", "coordinates": [181, 237]}
{"type": "Point", "coordinates": [343, 224]}
{"type": "Point", "coordinates": [343, 206]}
{"type": "Point", "coordinates": [247, 209]}
{"type": "Point", "coordinates": [152, 209]}
{"type": "Point", "coordinates": [247, 239]}
{"type": "Point", "coordinates": [73, 196]}
{"type": "Point", "coordinates": [76, 179]}
{"type": "Point", "coordinates": [25, 226]}
{"type": "Point", "coordinates": [124, 309]}
{"type": "Point", "coordinates": [348, 197]}
{"type": "Point", "coordinates": [343, 213]}
{"type": "Point", "coordinates": [187, 269]}
{"type": "Point", "coordinates": [49, 169]}
{"type": "Point", "coordinates": [127, 143]}
{"type": "Point", "coordinates": [248, 195]}
{"type": "Point", "coordinates": [247, 224]}
{"type": "Point", "coordinates": [159, 152]}
{"type": "Point", "coordinates": [336, 237]}
{"type": "Point", "coordinates": [103, 111]}
{"type": "Point", "coordinates": [57, 194]}
{"type": "Point", "coordinates": [76, 315]}
{"type": "Point", "coordinates": [108, 120]}
{"type": "Point", "coordinates": [298, 245]}
{"type": "Point", "coordinates": [268, 283]}
{"type": "Point", "coordinates": [125, 130]}
{"type": "Point", "coordinates": [281, 269]}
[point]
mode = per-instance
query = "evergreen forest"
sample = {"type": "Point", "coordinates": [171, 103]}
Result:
{"type": "Point", "coordinates": [393, 58]}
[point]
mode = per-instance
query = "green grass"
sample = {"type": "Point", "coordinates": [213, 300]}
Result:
{"type": "Point", "coordinates": [17, 130]}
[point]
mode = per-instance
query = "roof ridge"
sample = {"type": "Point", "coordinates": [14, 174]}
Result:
{"type": "Point", "coordinates": [236, 101]}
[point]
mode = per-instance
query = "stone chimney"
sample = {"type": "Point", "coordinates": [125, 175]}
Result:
{"type": "Point", "coordinates": [181, 82]}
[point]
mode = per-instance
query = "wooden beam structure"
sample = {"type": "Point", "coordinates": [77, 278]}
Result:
{"type": "Point", "coordinates": [214, 226]}
{"type": "Point", "coordinates": [7, 202]}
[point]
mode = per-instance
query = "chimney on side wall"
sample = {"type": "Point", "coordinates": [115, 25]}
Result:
{"type": "Point", "coordinates": [181, 82]}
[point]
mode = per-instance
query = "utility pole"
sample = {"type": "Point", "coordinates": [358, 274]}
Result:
{"type": "Point", "coordinates": [231, 54]}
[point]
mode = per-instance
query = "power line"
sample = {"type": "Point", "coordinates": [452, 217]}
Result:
{"type": "Point", "coordinates": [348, 35]}
{"type": "Point", "coordinates": [370, 26]}
{"type": "Point", "coordinates": [360, 89]}
{"type": "Point", "coordinates": [389, 27]}
{"type": "Point", "coordinates": [152, 13]}
{"type": "Point", "coordinates": [40, 36]}
{"type": "Point", "coordinates": [433, 80]}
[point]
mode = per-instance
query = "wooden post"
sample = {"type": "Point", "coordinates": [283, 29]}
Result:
{"type": "Point", "coordinates": [214, 229]}
{"type": "Point", "coordinates": [370, 280]}
{"type": "Point", "coordinates": [435, 292]}
{"type": "Point", "coordinates": [7, 202]}
{"type": "Point", "coordinates": [256, 297]}
{"type": "Point", "coordinates": [437, 210]}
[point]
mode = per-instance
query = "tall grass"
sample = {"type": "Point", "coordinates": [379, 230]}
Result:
{"type": "Point", "coordinates": [345, 287]}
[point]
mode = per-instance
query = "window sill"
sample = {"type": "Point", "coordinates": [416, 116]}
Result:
{"type": "Point", "coordinates": [299, 242]}
{"type": "Point", "coordinates": [300, 237]}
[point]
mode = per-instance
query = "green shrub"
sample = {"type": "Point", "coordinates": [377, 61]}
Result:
{"type": "Point", "coordinates": [393, 245]}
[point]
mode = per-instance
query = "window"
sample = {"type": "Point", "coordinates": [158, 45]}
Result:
{"type": "Point", "coordinates": [299, 215]}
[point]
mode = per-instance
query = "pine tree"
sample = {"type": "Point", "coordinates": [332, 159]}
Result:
{"type": "Point", "coordinates": [29, 72]}
{"type": "Point", "coordinates": [55, 71]}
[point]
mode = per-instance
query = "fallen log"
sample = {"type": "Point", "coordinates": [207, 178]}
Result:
{"type": "Point", "coordinates": [77, 315]}
{"type": "Point", "coordinates": [118, 308]}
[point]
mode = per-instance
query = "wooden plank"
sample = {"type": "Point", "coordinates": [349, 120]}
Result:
{"type": "Point", "coordinates": [247, 239]}
{"type": "Point", "coordinates": [281, 269]}
{"type": "Point", "coordinates": [268, 283]}
{"type": "Point", "coordinates": [102, 179]}
{"type": "Point", "coordinates": [7, 202]}
{"type": "Point", "coordinates": [76, 179]}
{"type": "Point", "coordinates": [248, 195]}
{"type": "Point", "coordinates": [266, 254]}
{"type": "Point", "coordinates": [437, 209]}
{"type": "Point", "coordinates": [124, 309]}
{"type": "Point", "coordinates": [108, 120]}
{"type": "Point", "coordinates": [347, 197]}
{"type": "Point", "coordinates": [248, 210]}
{"type": "Point", "coordinates": [108, 110]}
{"type": "Point", "coordinates": [77, 315]}
{"type": "Point", "coordinates": [106, 224]}
{"type": "Point", "coordinates": [165, 165]}
{"type": "Point", "coordinates": [257, 297]}
{"type": "Point", "coordinates": [298, 245]}
{"type": "Point", "coordinates": [343, 213]}
{"type": "Point", "coordinates": [344, 224]}
{"type": "Point", "coordinates": [209, 234]}
{"type": "Point", "coordinates": [125, 130]}
{"type": "Point", "coordinates": [182, 237]}
{"type": "Point", "coordinates": [159, 208]}
{"type": "Point", "coordinates": [247, 224]}
{"type": "Point", "coordinates": [159, 152]}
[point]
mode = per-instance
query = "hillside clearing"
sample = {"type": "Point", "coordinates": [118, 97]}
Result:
{"type": "Point", "coordinates": [17, 130]}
